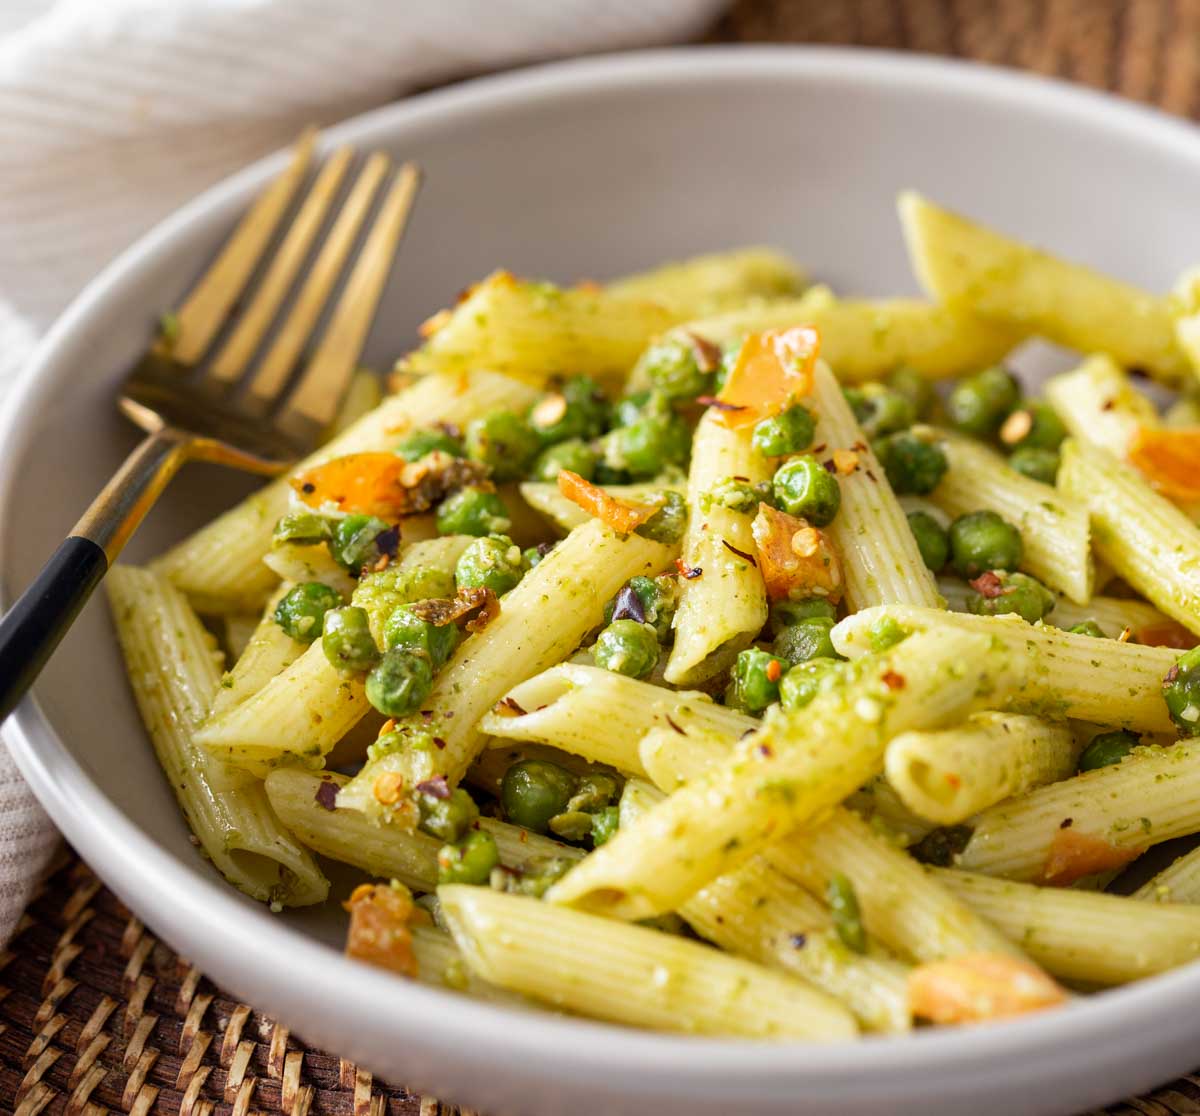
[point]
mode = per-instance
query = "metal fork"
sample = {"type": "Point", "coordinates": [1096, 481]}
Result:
{"type": "Point", "coordinates": [219, 412]}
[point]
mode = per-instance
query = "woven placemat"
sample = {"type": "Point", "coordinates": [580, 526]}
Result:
{"type": "Point", "coordinates": [97, 1015]}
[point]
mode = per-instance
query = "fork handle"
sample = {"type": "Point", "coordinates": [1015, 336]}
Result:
{"type": "Point", "coordinates": [33, 627]}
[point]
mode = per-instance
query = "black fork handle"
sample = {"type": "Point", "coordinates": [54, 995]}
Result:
{"type": "Point", "coordinates": [37, 622]}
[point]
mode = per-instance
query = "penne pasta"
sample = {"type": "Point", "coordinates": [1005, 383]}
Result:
{"type": "Point", "coordinates": [602, 716]}
{"type": "Point", "coordinates": [1178, 882]}
{"type": "Point", "coordinates": [1054, 531]}
{"type": "Point", "coordinates": [721, 611]}
{"type": "Point", "coordinates": [174, 675]}
{"type": "Point", "coordinates": [631, 974]}
{"type": "Point", "coordinates": [1070, 676]}
{"type": "Point", "coordinates": [1151, 543]}
{"type": "Point", "coordinates": [881, 563]}
{"type": "Point", "coordinates": [1098, 404]}
{"type": "Point", "coordinates": [973, 269]}
{"type": "Point", "coordinates": [949, 775]}
{"type": "Point", "coordinates": [711, 283]}
{"type": "Point", "coordinates": [269, 651]}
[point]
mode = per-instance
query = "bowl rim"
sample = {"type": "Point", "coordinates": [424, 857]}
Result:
{"type": "Point", "coordinates": [168, 890]}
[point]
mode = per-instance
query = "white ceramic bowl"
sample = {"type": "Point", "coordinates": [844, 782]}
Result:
{"type": "Point", "coordinates": [589, 169]}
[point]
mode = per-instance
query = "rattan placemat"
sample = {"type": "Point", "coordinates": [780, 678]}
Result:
{"type": "Point", "coordinates": [97, 1015]}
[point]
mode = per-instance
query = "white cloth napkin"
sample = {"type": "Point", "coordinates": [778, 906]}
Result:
{"type": "Point", "coordinates": [114, 112]}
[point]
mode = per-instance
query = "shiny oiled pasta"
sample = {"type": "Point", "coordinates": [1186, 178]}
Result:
{"type": "Point", "coordinates": [688, 605]}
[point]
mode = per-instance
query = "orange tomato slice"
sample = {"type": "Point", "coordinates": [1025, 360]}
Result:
{"type": "Point", "coordinates": [772, 369]}
{"type": "Point", "coordinates": [1074, 855]}
{"type": "Point", "coordinates": [1169, 460]}
{"type": "Point", "coordinates": [975, 987]}
{"type": "Point", "coordinates": [620, 515]}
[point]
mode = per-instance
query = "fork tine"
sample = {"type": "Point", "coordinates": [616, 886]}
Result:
{"type": "Point", "coordinates": [231, 361]}
{"type": "Point", "coordinates": [276, 367]}
{"type": "Point", "coordinates": [207, 305]}
{"type": "Point", "coordinates": [316, 398]}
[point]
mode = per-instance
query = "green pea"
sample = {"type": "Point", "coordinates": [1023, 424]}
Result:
{"type": "Point", "coordinates": [578, 409]}
{"type": "Point", "coordinates": [381, 591]}
{"type": "Point", "coordinates": [346, 639]}
{"type": "Point", "coordinates": [421, 442]}
{"type": "Point", "coordinates": [400, 681]}
{"type": "Point", "coordinates": [919, 392]}
{"type": "Point", "coordinates": [886, 632]}
{"type": "Point", "coordinates": [1107, 748]}
{"type": "Point", "coordinates": [648, 445]}
{"type": "Point", "coordinates": [1181, 691]}
{"type": "Point", "coordinates": [1088, 628]}
{"type": "Point", "coordinates": [806, 639]}
{"type": "Point", "coordinates": [605, 824]}
{"type": "Point", "coordinates": [805, 488]}
{"type": "Point", "coordinates": [473, 510]}
{"type": "Point", "coordinates": [932, 540]}
{"type": "Point", "coordinates": [668, 523]}
{"type": "Point", "coordinates": [880, 410]}
{"type": "Point", "coordinates": [756, 677]}
{"type": "Point", "coordinates": [983, 540]}
{"type": "Point", "coordinates": [738, 496]}
{"type": "Point", "coordinates": [1034, 425]}
{"type": "Point", "coordinates": [786, 613]}
{"type": "Point", "coordinates": [538, 876]}
{"type": "Point", "coordinates": [632, 408]}
{"type": "Point", "coordinates": [606, 475]}
{"type": "Point", "coordinates": [404, 628]}
{"type": "Point", "coordinates": [1036, 464]}
{"type": "Point", "coordinates": [847, 916]}
{"type": "Point", "coordinates": [790, 431]}
{"type": "Point", "coordinates": [354, 541]}
{"type": "Point", "coordinates": [447, 817]}
{"type": "Point", "coordinates": [492, 562]}
{"type": "Point", "coordinates": [301, 611]}
{"type": "Point", "coordinates": [504, 442]}
{"type": "Point", "coordinates": [979, 404]}
{"type": "Point", "coordinates": [303, 528]}
{"type": "Point", "coordinates": [672, 366]}
{"type": "Point", "coordinates": [1000, 592]}
{"type": "Point", "coordinates": [627, 647]}
{"type": "Point", "coordinates": [534, 791]}
{"type": "Point", "coordinates": [574, 455]}
{"type": "Point", "coordinates": [805, 681]}
{"type": "Point", "coordinates": [913, 465]}
{"type": "Point", "coordinates": [470, 861]}
{"type": "Point", "coordinates": [657, 598]}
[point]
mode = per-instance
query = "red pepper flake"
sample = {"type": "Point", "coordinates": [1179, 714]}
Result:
{"type": "Point", "coordinates": [953, 780]}
{"type": "Point", "coordinates": [819, 449]}
{"type": "Point", "coordinates": [674, 725]}
{"type": "Point", "coordinates": [713, 401]}
{"type": "Point", "coordinates": [686, 571]}
{"type": "Point", "coordinates": [739, 477]}
{"type": "Point", "coordinates": [861, 446]}
{"type": "Point", "coordinates": [326, 796]}
{"type": "Point", "coordinates": [1125, 634]}
{"type": "Point", "coordinates": [740, 553]}
{"type": "Point", "coordinates": [765, 749]}
{"type": "Point", "coordinates": [774, 671]}
{"type": "Point", "coordinates": [437, 787]}
{"type": "Point", "coordinates": [871, 476]}
{"type": "Point", "coordinates": [708, 355]}
{"type": "Point", "coordinates": [830, 466]}
{"type": "Point", "coordinates": [1066, 823]}
{"type": "Point", "coordinates": [1108, 405]}
{"type": "Point", "coordinates": [1172, 674]}
{"type": "Point", "coordinates": [988, 585]}
{"type": "Point", "coordinates": [439, 743]}
{"type": "Point", "coordinates": [893, 681]}
{"type": "Point", "coordinates": [511, 704]}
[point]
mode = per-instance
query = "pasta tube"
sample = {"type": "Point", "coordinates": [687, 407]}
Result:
{"type": "Point", "coordinates": [1084, 936]}
{"type": "Point", "coordinates": [174, 676]}
{"type": "Point", "coordinates": [532, 331]}
{"type": "Point", "coordinates": [541, 622]}
{"type": "Point", "coordinates": [789, 772]}
{"type": "Point", "coordinates": [711, 283]}
{"type": "Point", "coordinates": [1093, 822]}
{"type": "Point", "coordinates": [1151, 543]}
{"type": "Point", "coordinates": [947, 776]}
{"type": "Point", "coordinates": [220, 566]}
{"type": "Point", "coordinates": [269, 651]}
{"type": "Point", "coordinates": [440, 963]}
{"type": "Point", "coordinates": [630, 974]}
{"type": "Point", "coordinates": [602, 715]}
{"type": "Point", "coordinates": [1054, 531]}
{"type": "Point", "coordinates": [1179, 882]}
{"type": "Point", "coordinates": [971, 268]}
{"type": "Point", "coordinates": [1076, 676]}
{"type": "Point", "coordinates": [1098, 404]}
{"type": "Point", "coordinates": [307, 806]}
{"type": "Point", "coordinates": [721, 611]}
{"type": "Point", "coordinates": [881, 563]}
